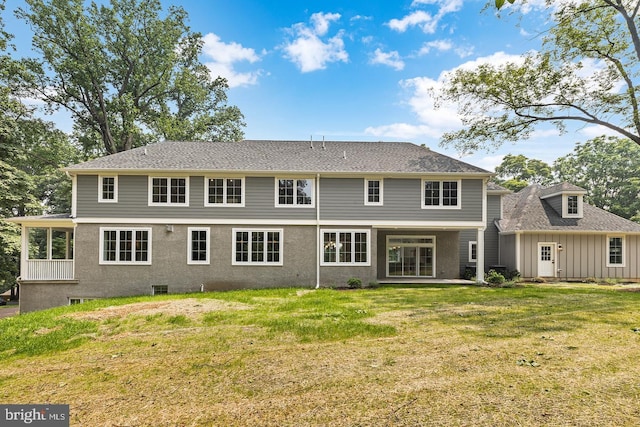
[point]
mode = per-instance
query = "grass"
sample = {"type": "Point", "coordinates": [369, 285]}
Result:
{"type": "Point", "coordinates": [391, 356]}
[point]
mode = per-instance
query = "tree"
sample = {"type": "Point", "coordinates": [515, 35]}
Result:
{"type": "Point", "coordinates": [500, 103]}
{"type": "Point", "coordinates": [125, 73]}
{"type": "Point", "coordinates": [517, 171]}
{"type": "Point", "coordinates": [607, 168]}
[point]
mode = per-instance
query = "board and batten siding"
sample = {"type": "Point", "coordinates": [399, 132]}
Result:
{"type": "Point", "coordinates": [343, 199]}
{"type": "Point", "coordinates": [582, 256]}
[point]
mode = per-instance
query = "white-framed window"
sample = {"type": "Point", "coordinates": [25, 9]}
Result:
{"type": "Point", "coordinates": [198, 246]}
{"type": "Point", "coordinates": [295, 192]}
{"type": "Point", "coordinates": [615, 251]}
{"type": "Point", "coordinates": [473, 251]}
{"type": "Point", "coordinates": [373, 190]}
{"type": "Point", "coordinates": [168, 191]}
{"type": "Point", "coordinates": [224, 191]}
{"type": "Point", "coordinates": [257, 247]}
{"type": "Point", "coordinates": [441, 194]}
{"type": "Point", "coordinates": [107, 189]}
{"type": "Point", "coordinates": [346, 247]}
{"type": "Point", "coordinates": [572, 206]}
{"type": "Point", "coordinates": [125, 246]}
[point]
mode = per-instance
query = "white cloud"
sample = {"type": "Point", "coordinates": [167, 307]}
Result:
{"type": "Point", "coordinates": [432, 121]}
{"type": "Point", "coordinates": [418, 18]}
{"type": "Point", "coordinates": [597, 130]}
{"type": "Point", "coordinates": [222, 58]}
{"type": "Point", "coordinates": [490, 162]}
{"type": "Point", "coordinates": [425, 20]}
{"type": "Point", "coordinates": [440, 45]}
{"type": "Point", "coordinates": [392, 59]}
{"type": "Point", "coordinates": [308, 51]}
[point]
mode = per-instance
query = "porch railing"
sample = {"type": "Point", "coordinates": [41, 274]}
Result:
{"type": "Point", "coordinates": [43, 269]}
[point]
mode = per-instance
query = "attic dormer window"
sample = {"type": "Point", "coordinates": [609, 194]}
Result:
{"type": "Point", "coordinates": [572, 205]}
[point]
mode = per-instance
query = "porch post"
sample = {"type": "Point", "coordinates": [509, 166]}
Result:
{"type": "Point", "coordinates": [480, 256]}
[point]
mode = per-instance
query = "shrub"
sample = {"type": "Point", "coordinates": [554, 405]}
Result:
{"type": "Point", "coordinates": [494, 278]}
{"type": "Point", "coordinates": [354, 283]}
{"type": "Point", "coordinates": [512, 275]}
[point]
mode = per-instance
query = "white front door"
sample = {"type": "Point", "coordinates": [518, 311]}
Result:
{"type": "Point", "coordinates": [547, 259]}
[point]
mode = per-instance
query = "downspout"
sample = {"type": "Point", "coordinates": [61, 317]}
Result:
{"type": "Point", "coordinates": [318, 247]}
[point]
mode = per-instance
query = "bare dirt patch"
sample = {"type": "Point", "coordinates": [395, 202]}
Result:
{"type": "Point", "coordinates": [190, 307]}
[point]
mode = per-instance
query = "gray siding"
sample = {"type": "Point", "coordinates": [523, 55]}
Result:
{"type": "Point", "coordinates": [582, 256]}
{"type": "Point", "coordinates": [343, 199]}
{"type": "Point", "coordinates": [133, 201]}
{"type": "Point", "coordinates": [491, 238]}
{"type": "Point", "coordinates": [340, 199]}
{"type": "Point", "coordinates": [508, 251]}
{"type": "Point", "coordinates": [556, 203]}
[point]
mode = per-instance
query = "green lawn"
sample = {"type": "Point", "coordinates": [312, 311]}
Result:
{"type": "Point", "coordinates": [391, 356]}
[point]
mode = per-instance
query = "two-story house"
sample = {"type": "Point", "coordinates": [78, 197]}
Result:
{"type": "Point", "coordinates": [186, 216]}
{"type": "Point", "coordinates": [189, 216]}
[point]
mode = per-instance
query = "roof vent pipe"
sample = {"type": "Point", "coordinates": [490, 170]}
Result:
{"type": "Point", "coordinates": [311, 143]}
{"type": "Point", "coordinates": [344, 154]}
{"type": "Point", "coordinates": [323, 146]}
{"type": "Point", "coordinates": [145, 151]}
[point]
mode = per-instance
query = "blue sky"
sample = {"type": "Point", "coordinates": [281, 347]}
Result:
{"type": "Point", "coordinates": [355, 70]}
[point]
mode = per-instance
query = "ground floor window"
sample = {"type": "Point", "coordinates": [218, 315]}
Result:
{"type": "Point", "coordinates": [257, 247]}
{"type": "Point", "coordinates": [345, 247]}
{"type": "Point", "coordinates": [411, 256]}
{"type": "Point", "coordinates": [473, 251]}
{"type": "Point", "coordinates": [198, 245]}
{"type": "Point", "coordinates": [615, 251]}
{"type": "Point", "coordinates": [125, 245]}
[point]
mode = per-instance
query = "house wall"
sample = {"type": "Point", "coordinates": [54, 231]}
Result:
{"type": "Point", "coordinates": [491, 240]}
{"type": "Point", "coordinates": [42, 295]}
{"type": "Point", "coordinates": [340, 199]}
{"type": "Point", "coordinates": [582, 256]}
{"type": "Point", "coordinates": [556, 203]}
{"type": "Point", "coordinates": [343, 199]}
{"type": "Point", "coordinates": [507, 252]}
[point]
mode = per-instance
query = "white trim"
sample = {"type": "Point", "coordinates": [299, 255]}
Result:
{"type": "Point", "coordinates": [558, 193]}
{"type": "Point", "coordinates": [366, 192]}
{"type": "Point", "coordinates": [565, 206]}
{"type": "Point", "coordinates": [101, 260]}
{"type": "Point", "coordinates": [168, 202]}
{"type": "Point", "coordinates": [518, 253]}
{"type": "Point", "coordinates": [255, 263]}
{"type": "Point", "coordinates": [458, 225]}
{"type": "Point", "coordinates": [74, 196]}
{"type": "Point", "coordinates": [337, 263]}
{"type": "Point", "coordinates": [423, 245]}
{"type": "Point", "coordinates": [190, 261]}
{"type": "Point", "coordinates": [624, 251]}
{"type": "Point", "coordinates": [554, 258]}
{"type": "Point", "coordinates": [295, 198]}
{"type": "Point", "coordinates": [101, 198]}
{"type": "Point", "coordinates": [441, 194]}
{"type": "Point", "coordinates": [471, 243]}
{"type": "Point", "coordinates": [485, 200]}
{"type": "Point", "coordinates": [224, 203]}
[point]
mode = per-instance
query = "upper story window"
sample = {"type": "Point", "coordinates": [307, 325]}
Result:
{"type": "Point", "coordinates": [224, 192]}
{"type": "Point", "coordinates": [295, 192]}
{"type": "Point", "coordinates": [168, 191]}
{"type": "Point", "coordinates": [572, 206]}
{"type": "Point", "coordinates": [125, 245]}
{"type": "Point", "coordinates": [615, 251]}
{"type": "Point", "coordinates": [108, 189]}
{"type": "Point", "coordinates": [373, 191]}
{"type": "Point", "coordinates": [441, 194]}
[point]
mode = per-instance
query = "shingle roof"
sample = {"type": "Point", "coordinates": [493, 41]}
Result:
{"type": "Point", "coordinates": [560, 188]}
{"type": "Point", "coordinates": [281, 156]}
{"type": "Point", "coordinates": [526, 211]}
